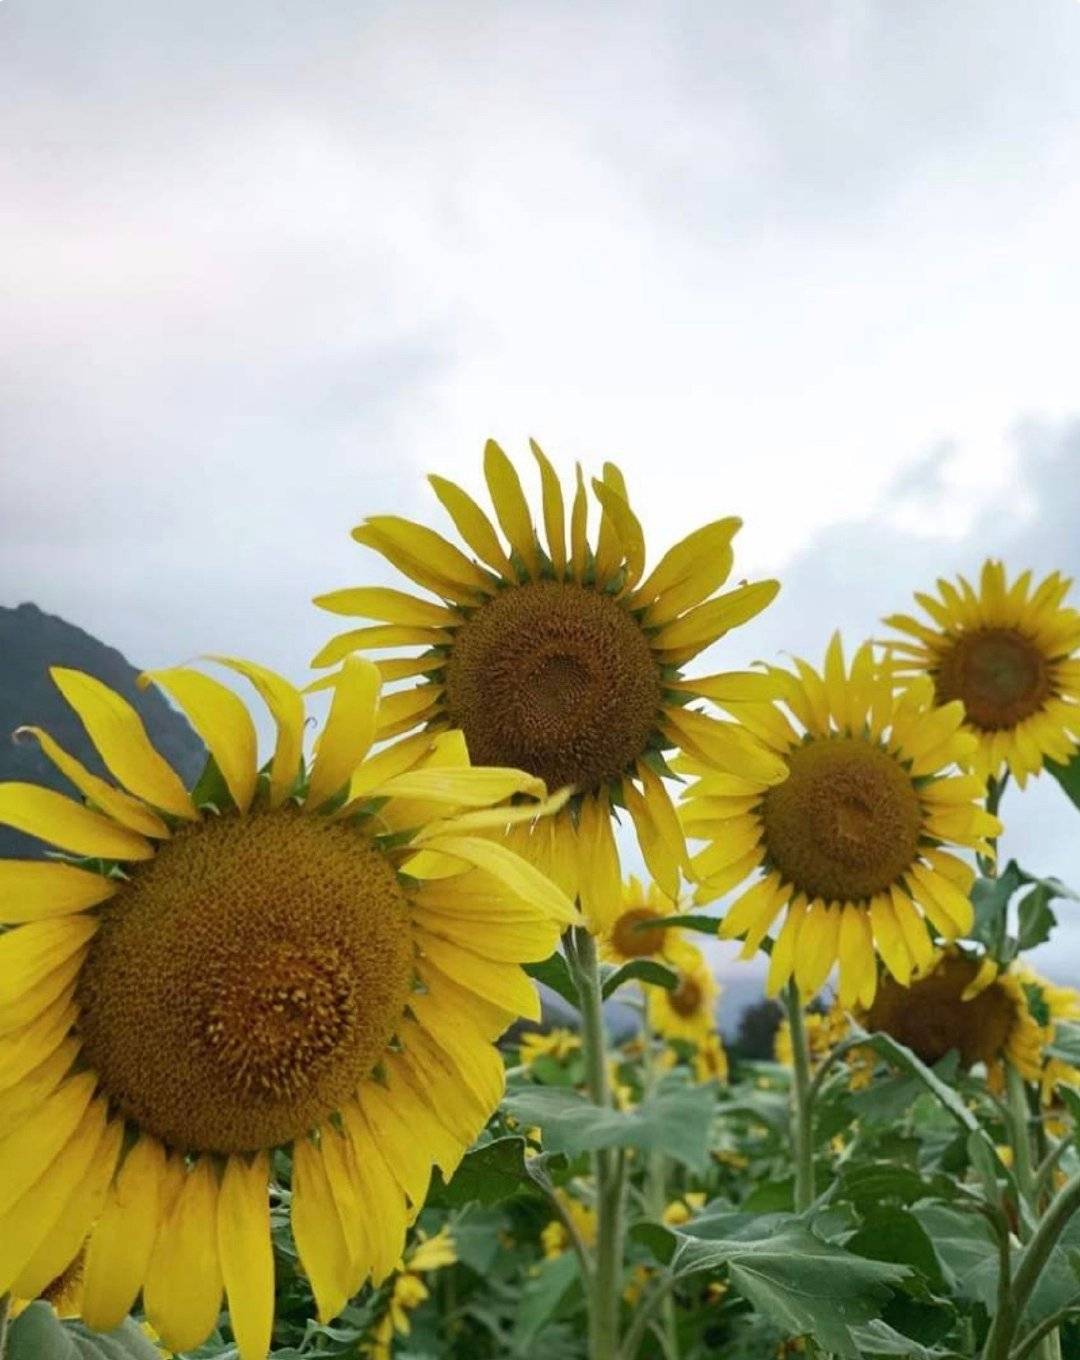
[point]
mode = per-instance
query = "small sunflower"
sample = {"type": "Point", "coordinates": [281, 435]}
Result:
{"type": "Point", "coordinates": [853, 842]}
{"type": "Point", "coordinates": [823, 1032]}
{"type": "Point", "coordinates": [555, 1238]}
{"type": "Point", "coordinates": [409, 1291]}
{"type": "Point", "coordinates": [964, 1003]}
{"type": "Point", "coordinates": [564, 662]}
{"type": "Point", "coordinates": [638, 932]}
{"type": "Point", "coordinates": [559, 1044]}
{"type": "Point", "coordinates": [686, 1011]}
{"type": "Point", "coordinates": [1011, 655]}
{"type": "Point", "coordinates": [710, 1059]}
{"type": "Point", "coordinates": [319, 964]}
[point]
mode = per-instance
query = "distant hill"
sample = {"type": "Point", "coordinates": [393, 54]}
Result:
{"type": "Point", "coordinates": [30, 642]}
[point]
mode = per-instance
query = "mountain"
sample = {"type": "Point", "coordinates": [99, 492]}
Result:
{"type": "Point", "coordinates": [30, 642]}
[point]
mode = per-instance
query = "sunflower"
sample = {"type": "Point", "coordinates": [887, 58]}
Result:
{"type": "Point", "coordinates": [555, 1236]}
{"type": "Point", "coordinates": [564, 662]}
{"type": "Point", "coordinates": [557, 1044]}
{"type": "Point", "coordinates": [687, 1010]}
{"type": "Point", "coordinates": [318, 964]}
{"type": "Point", "coordinates": [638, 932]}
{"type": "Point", "coordinates": [409, 1291]}
{"type": "Point", "coordinates": [852, 843]}
{"type": "Point", "coordinates": [964, 1004]}
{"type": "Point", "coordinates": [710, 1059]}
{"type": "Point", "coordinates": [1011, 654]}
{"type": "Point", "coordinates": [824, 1030]}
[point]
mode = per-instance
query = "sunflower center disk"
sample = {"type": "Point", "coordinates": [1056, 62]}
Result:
{"type": "Point", "coordinates": [686, 998]}
{"type": "Point", "coordinates": [246, 980]}
{"type": "Point", "coordinates": [1001, 676]}
{"type": "Point", "coordinates": [634, 938]}
{"type": "Point", "coordinates": [845, 823]}
{"type": "Point", "coordinates": [557, 680]}
{"type": "Point", "coordinates": [930, 1019]}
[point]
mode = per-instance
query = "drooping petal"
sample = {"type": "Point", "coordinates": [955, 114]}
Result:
{"type": "Point", "coordinates": [247, 1258]}
{"type": "Point", "coordinates": [117, 731]}
{"type": "Point", "coordinates": [320, 1239]}
{"type": "Point", "coordinates": [33, 890]}
{"type": "Point", "coordinates": [222, 720]}
{"type": "Point", "coordinates": [52, 817]}
{"type": "Point", "coordinates": [29, 1150]}
{"type": "Point", "coordinates": [349, 730]}
{"type": "Point", "coordinates": [183, 1288]}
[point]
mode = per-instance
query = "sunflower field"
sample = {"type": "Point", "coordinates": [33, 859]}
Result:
{"type": "Point", "coordinates": [316, 1058]}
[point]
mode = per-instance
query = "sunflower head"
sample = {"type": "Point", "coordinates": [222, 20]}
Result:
{"type": "Point", "coordinates": [1011, 655]}
{"type": "Point", "coordinates": [560, 656]}
{"type": "Point", "coordinates": [964, 1004]}
{"type": "Point", "coordinates": [638, 931]}
{"type": "Point", "coordinates": [856, 845]}
{"type": "Point", "coordinates": [319, 961]}
{"type": "Point", "coordinates": [687, 1010]}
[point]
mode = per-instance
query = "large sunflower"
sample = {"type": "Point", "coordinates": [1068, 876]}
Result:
{"type": "Point", "coordinates": [563, 661]}
{"type": "Point", "coordinates": [1011, 654]}
{"type": "Point", "coordinates": [964, 1004]}
{"type": "Point", "coordinates": [317, 963]}
{"type": "Point", "coordinates": [853, 842]}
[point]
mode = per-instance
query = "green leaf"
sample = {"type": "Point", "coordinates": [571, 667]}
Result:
{"type": "Point", "coordinates": [903, 1058]}
{"type": "Point", "coordinates": [990, 897]}
{"type": "Point", "coordinates": [555, 973]}
{"type": "Point", "coordinates": [641, 970]}
{"type": "Point", "coordinates": [804, 1285]}
{"type": "Point", "coordinates": [486, 1175]}
{"type": "Point", "coordinates": [1068, 776]}
{"type": "Point", "coordinates": [675, 1119]}
{"type": "Point", "coordinates": [965, 1247]}
{"type": "Point", "coordinates": [542, 1296]}
{"type": "Point", "coordinates": [894, 1234]}
{"type": "Point", "coordinates": [1066, 1044]}
{"type": "Point", "coordinates": [704, 925]}
{"type": "Point", "coordinates": [878, 1338]}
{"type": "Point", "coordinates": [38, 1334]}
{"type": "Point", "coordinates": [1036, 918]}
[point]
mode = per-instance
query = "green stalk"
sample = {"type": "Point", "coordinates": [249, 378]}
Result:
{"type": "Point", "coordinates": [656, 1171]}
{"type": "Point", "coordinates": [608, 1166]}
{"type": "Point", "coordinates": [1019, 1135]}
{"type": "Point", "coordinates": [802, 1135]}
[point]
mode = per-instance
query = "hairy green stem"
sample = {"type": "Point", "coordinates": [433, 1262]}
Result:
{"type": "Point", "coordinates": [1036, 1254]}
{"type": "Point", "coordinates": [1019, 1134]}
{"type": "Point", "coordinates": [608, 1165]}
{"type": "Point", "coordinates": [802, 1137]}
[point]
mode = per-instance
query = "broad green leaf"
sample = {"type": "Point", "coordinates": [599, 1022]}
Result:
{"type": "Point", "coordinates": [38, 1334]}
{"type": "Point", "coordinates": [555, 973]}
{"type": "Point", "coordinates": [543, 1295]}
{"type": "Point", "coordinates": [641, 970]}
{"type": "Point", "coordinates": [1066, 1044]}
{"type": "Point", "coordinates": [893, 1234]}
{"type": "Point", "coordinates": [803, 1284]}
{"type": "Point", "coordinates": [1068, 776]}
{"type": "Point", "coordinates": [965, 1247]}
{"type": "Point", "coordinates": [878, 1338]}
{"type": "Point", "coordinates": [675, 1119]}
{"type": "Point", "coordinates": [990, 897]}
{"type": "Point", "coordinates": [1036, 920]}
{"type": "Point", "coordinates": [486, 1175]}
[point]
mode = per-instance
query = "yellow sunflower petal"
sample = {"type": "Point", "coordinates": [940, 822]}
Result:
{"type": "Point", "coordinates": [818, 944]}
{"type": "Point", "coordinates": [222, 720]}
{"type": "Point", "coordinates": [371, 639]}
{"type": "Point", "coordinates": [182, 1293]}
{"type": "Point", "coordinates": [684, 559]}
{"type": "Point", "coordinates": [511, 507]}
{"type": "Point", "coordinates": [349, 731]}
{"type": "Point", "coordinates": [118, 1249]}
{"type": "Point", "coordinates": [627, 529]}
{"type": "Point", "coordinates": [385, 1123]}
{"type": "Point", "coordinates": [31, 952]}
{"type": "Point", "coordinates": [23, 1049]}
{"type": "Point", "coordinates": [121, 807]}
{"type": "Point", "coordinates": [520, 877]}
{"type": "Point", "coordinates": [600, 878]}
{"type": "Point", "coordinates": [473, 526]}
{"type": "Point", "coordinates": [504, 984]}
{"type": "Point", "coordinates": [247, 1258]}
{"type": "Point", "coordinates": [32, 890]}
{"type": "Point", "coordinates": [420, 545]}
{"type": "Point", "coordinates": [23, 1097]}
{"type": "Point", "coordinates": [579, 544]}
{"type": "Point", "coordinates": [387, 606]}
{"type": "Point", "coordinates": [919, 944]}
{"type": "Point", "coordinates": [56, 819]}
{"type": "Point", "coordinates": [890, 939]}
{"type": "Point", "coordinates": [117, 731]}
{"type": "Point", "coordinates": [78, 1215]}
{"type": "Point", "coordinates": [33, 1001]}
{"type": "Point", "coordinates": [782, 959]}
{"type": "Point", "coordinates": [476, 787]}
{"type": "Point", "coordinates": [554, 510]}
{"type": "Point", "coordinates": [320, 1239]}
{"type": "Point", "coordinates": [29, 1150]}
{"type": "Point", "coordinates": [706, 623]}
{"type": "Point", "coordinates": [26, 1225]}
{"type": "Point", "coordinates": [387, 1213]}
{"type": "Point", "coordinates": [287, 709]}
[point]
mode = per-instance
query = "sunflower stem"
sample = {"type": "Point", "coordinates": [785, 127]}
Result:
{"type": "Point", "coordinates": [802, 1137]}
{"type": "Point", "coordinates": [1019, 1135]}
{"type": "Point", "coordinates": [657, 1171]}
{"type": "Point", "coordinates": [608, 1164]}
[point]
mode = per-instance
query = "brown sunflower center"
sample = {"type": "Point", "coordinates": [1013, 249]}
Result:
{"type": "Point", "coordinates": [929, 1018]}
{"type": "Point", "coordinates": [1001, 676]}
{"type": "Point", "coordinates": [555, 679]}
{"type": "Point", "coordinates": [845, 823]}
{"type": "Point", "coordinates": [246, 980]}
{"type": "Point", "coordinates": [686, 999]}
{"type": "Point", "coordinates": [633, 936]}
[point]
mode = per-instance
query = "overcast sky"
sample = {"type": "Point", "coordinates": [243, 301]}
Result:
{"type": "Point", "coordinates": [265, 263]}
